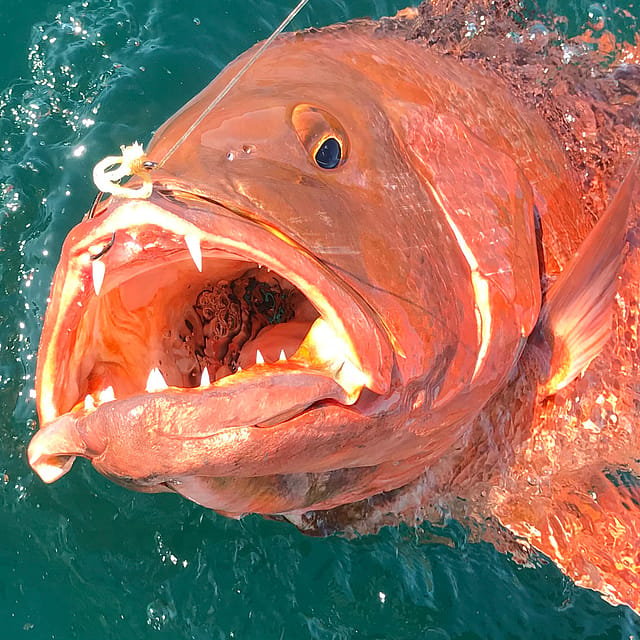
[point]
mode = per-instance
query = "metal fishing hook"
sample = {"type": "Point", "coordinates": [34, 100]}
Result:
{"type": "Point", "coordinates": [96, 256]}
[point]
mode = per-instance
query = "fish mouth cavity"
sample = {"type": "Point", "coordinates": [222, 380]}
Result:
{"type": "Point", "coordinates": [163, 304]}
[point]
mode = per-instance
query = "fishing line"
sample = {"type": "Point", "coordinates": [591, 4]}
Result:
{"type": "Point", "coordinates": [295, 11]}
{"type": "Point", "coordinates": [133, 161]}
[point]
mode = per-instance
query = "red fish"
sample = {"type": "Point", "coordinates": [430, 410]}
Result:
{"type": "Point", "coordinates": [334, 283]}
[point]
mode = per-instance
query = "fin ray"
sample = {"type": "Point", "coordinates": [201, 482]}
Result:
{"type": "Point", "coordinates": [577, 310]}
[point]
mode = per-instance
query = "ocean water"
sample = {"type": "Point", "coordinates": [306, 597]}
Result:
{"type": "Point", "coordinates": [84, 559]}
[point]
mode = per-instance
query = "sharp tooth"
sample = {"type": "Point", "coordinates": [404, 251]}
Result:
{"type": "Point", "coordinates": [89, 402]}
{"type": "Point", "coordinates": [107, 395]}
{"type": "Point", "coordinates": [205, 381]}
{"type": "Point", "coordinates": [323, 346]}
{"type": "Point", "coordinates": [259, 357]}
{"type": "Point", "coordinates": [156, 381]}
{"type": "Point", "coordinates": [350, 378]}
{"type": "Point", "coordinates": [283, 355]}
{"type": "Point", "coordinates": [193, 244]}
{"type": "Point", "coordinates": [97, 271]}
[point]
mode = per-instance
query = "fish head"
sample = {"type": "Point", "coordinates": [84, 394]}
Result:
{"type": "Point", "coordinates": [335, 270]}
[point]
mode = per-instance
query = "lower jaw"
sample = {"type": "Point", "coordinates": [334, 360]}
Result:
{"type": "Point", "coordinates": [295, 494]}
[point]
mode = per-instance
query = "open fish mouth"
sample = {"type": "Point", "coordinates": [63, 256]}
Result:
{"type": "Point", "coordinates": [182, 297]}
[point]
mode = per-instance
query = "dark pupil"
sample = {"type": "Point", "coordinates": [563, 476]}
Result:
{"type": "Point", "coordinates": [329, 153]}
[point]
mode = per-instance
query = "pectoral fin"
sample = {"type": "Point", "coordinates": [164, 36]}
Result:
{"type": "Point", "coordinates": [576, 316]}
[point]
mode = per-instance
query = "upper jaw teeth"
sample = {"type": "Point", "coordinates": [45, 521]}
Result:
{"type": "Point", "coordinates": [98, 268]}
{"type": "Point", "coordinates": [193, 244]}
{"type": "Point", "coordinates": [97, 274]}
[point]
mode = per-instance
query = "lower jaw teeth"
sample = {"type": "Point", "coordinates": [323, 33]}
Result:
{"type": "Point", "coordinates": [107, 395]}
{"type": "Point", "coordinates": [156, 381]}
{"type": "Point", "coordinates": [320, 350]}
{"type": "Point", "coordinates": [205, 380]}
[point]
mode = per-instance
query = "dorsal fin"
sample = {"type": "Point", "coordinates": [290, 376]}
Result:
{"type": "Point", "coordinates": [577, 310]}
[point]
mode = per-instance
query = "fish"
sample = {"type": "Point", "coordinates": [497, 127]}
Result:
{"type": "Point", "coordinates": [367, 274]}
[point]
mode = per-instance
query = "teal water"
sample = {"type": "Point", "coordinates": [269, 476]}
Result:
{"type": "Point", "coordinates": [86, 559]}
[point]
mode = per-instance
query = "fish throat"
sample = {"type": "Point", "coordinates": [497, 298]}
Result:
{"type": "Point", "coordinates": [226, 316]}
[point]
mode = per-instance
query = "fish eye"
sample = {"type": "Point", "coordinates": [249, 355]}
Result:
{"type": "Point", "coordinates": [321, 135]}
{"type": "Point", "coordinates": [329, 154]}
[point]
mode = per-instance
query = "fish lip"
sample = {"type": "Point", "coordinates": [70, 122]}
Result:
{"type": "Point", "coordinates": [343, 308]}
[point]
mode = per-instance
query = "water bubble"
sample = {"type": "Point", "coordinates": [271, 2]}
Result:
{"type": "Point", "coordinates": [596, 16]}
{"type": "Point", "coordinates": [158, 614]}
{"type": "Point", "coordinates": [161, 610]}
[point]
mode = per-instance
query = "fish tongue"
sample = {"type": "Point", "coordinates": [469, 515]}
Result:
{"type": "Point", "coordinates": [273, 342]}
{"type": "Point", "coordinates": [265, 394]}
{"type": "Point", "coordinates": [53, 449]}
